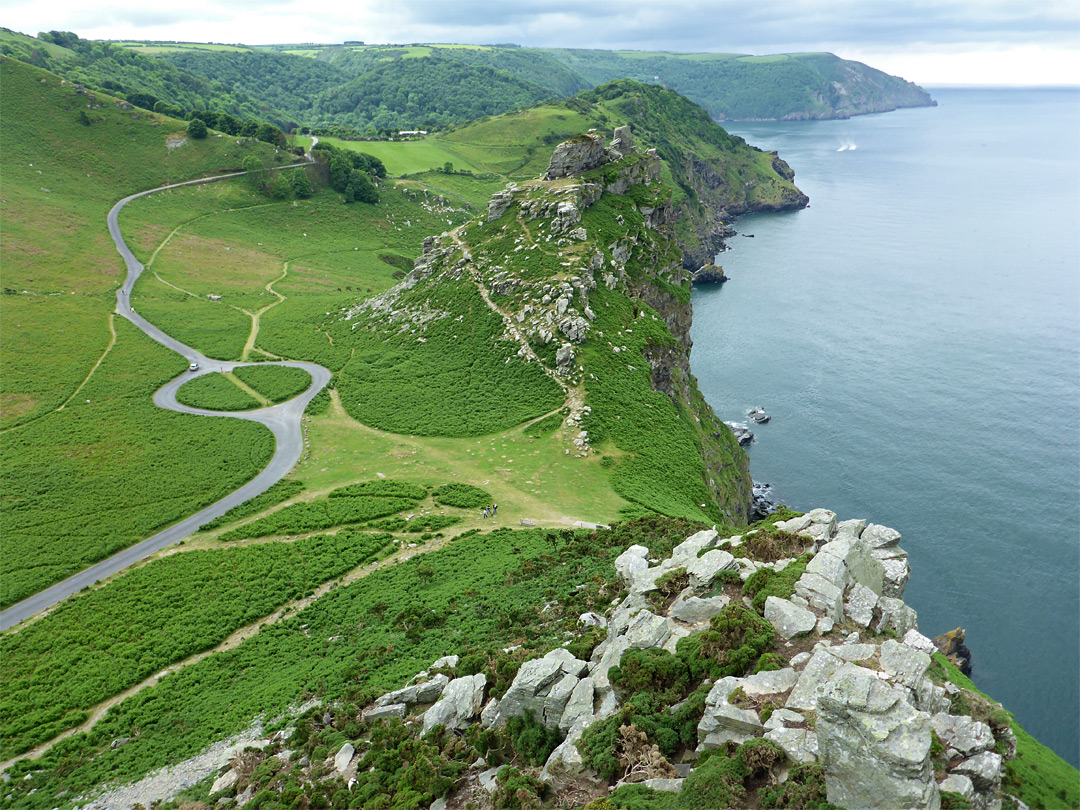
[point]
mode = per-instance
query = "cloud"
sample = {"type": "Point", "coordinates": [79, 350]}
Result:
{"type": "Point", "coordinates": [864, 27]}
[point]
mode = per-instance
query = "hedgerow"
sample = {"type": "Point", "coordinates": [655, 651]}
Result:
{"type": "Point", "coordinates": [386, 487]}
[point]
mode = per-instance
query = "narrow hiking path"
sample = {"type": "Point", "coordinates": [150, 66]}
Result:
{"type": "Point", "coordinates": [283, 420]}
{"type": "Point", "coordinates": [249, 346]}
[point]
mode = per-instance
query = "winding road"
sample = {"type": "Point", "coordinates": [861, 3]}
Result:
{"type": "Point", "coordinates": [284, 421]}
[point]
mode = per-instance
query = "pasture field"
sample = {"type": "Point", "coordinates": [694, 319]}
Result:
{"type": "Point", "coordinates": [527, 477]}
{"type": "Point", "coordinates": [98, 644]}
{"type": "Point", "coordinates": [111, 469]}
{"type": "Point", "coordinates": [407, 157]}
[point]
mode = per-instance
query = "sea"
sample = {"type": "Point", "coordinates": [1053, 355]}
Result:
{"type": "Point", "coordinates": [915, 336]}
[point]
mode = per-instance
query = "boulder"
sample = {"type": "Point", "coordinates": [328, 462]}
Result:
{"type": "Point", "coordinates": [964, 734]}
{"type": "Point", "coordinates": [704, 569]}
{"type": "Point", "coordinates": [800, 744]}
{"type": "Point", "coordinates": [579, 705]}
{"type": "Point", "coordinates": [984, 770]}
{"type": "Point", "coordinates": [860, 603]}
{"type": "Point", "coordinates": [789, 619]}
{"type": "Point", "coordinates": [664, 785]}
{"type": "Point", "coordinates": [695, 610]}
{"type": "Point", "coordinates": [723, 721]}
{"type": "Point", "coordinates": [592, 620]}
{"type": "Point", "coordinates": [896, 616]}
{"type": "Point", "coordinates": [343, 757]}
{"type": "Point", "coordinates": [647, 630]}
{"type": "Point", "coordinates": [822, 594]}
{"type": "Point", "coordinates": [630, 563]}
{"type": "Point", "coordinates": [564, 360]}
{"type": "Point", "coordinates": [956, 783]}
{"type": "Point", "coordinates": [398, 710]}
{"type": "Point", "coordinates": [913, 638]}
{"type": "Point", "coordinates": [459, 703]}
{"type": "Point", "coordinates": [875, 748]}
{"type": "Point", "coordinates": [785, 718]}
{"type": "Point", "coordinates": [880, 536]}
{"type": "Point", "coordinates": [852, 528]}
{"type": "Point", "coordinates": [225, 781]}
{"type": "Point", "coordinates": [426, 692]}
{"type": "Point", "coordinates": [852, 651]}
{"type": "Point", "coordinates": [687, 551]}
{"type": "Point", "coordinates": [446, 662]}
{"type": "Point", "coordinates": [821, 666]}
{"type": "Point", "coordinates": [902, 663]}
{"type": "Point", "coordinates": [766, 684]}
{"type": "Point", "coordinates": [543, 688]}
{"type": "Point", "coordinates": [894, 562]}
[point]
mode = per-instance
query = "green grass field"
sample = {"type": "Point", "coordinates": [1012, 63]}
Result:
{"type": "Point", "coordinates": [408, 157]}
{"type": "Point", "coordinates": [111, 469]}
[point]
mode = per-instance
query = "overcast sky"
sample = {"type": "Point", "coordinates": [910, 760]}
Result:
{"type": "Point", "coordinates": [931, 42]}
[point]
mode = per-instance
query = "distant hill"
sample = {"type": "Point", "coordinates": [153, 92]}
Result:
{"type": "Point", "coordinates": [734, 86]}
{"type": "Point", "coordinates": [426, 86]}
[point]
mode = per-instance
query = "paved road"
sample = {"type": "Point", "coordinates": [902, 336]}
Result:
{"type": "Point", "coordinates": [283, 420]}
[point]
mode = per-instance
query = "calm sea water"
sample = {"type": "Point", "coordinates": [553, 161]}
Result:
{"type": "Point", "coordinates": [915, 335]}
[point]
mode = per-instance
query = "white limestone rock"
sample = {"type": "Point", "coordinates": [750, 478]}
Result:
{"type": "Point", "coordinates": [800, 744]}
{"type": "Point", "coordinates": [343, 757]}
{"type": "Point", "coordinates": [723, 721]}
{"type": "Point", "coordinates": [860, 603]}
{"type": "Point", "coordinates": [789, 619]}
{"type": "Point", "coordinates": [964, 734]}
{"type": "Point", "coordinates": [459, 703]}
{"type": "Point", "coordinates": [631, 562]}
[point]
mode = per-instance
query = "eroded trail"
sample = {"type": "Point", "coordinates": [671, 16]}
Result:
{"type": "Point", "coordinates": [283, 420]}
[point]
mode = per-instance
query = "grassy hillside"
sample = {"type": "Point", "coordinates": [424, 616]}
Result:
{"type": "Point", "coordinates": [421, 86]}
{"type": "Point", "coordinates": [79, 430]}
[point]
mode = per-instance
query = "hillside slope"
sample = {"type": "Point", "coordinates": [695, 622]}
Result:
{"type": "Point", "coordinates": [714, 176]}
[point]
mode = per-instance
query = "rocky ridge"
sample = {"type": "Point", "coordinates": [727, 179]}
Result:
{"type": "Point", "coordinates": [537, 265]}
{"type": "Point", "coordinates": [853, 692]}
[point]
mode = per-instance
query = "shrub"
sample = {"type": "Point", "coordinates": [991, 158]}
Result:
{"type": "Point", "coordinates": [770, 544]}
{"type": "Point", "coordinates": [532, 741]}
{"type": "Point", "coordinates": [464, 496]}
{"type": "Point", "coordinates": [653, 670]}
{"type": "Point", "coordinates": [736, 638]}
{"type": "Point", "coordinates": [668, 586]}
{"type": "Point", "coordinates": [196, 129]}
{"type": "Point", "coordinates": [765, 582]}
{"type": "Point", "coordinates": [515, 790]}
{"type": "Point", "coordinates": [804, 789]}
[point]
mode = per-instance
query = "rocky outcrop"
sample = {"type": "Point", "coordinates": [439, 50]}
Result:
{"type": "Point", "coordinates": [874, 745]}
{"type": "Point", "coordinates": [709, 274]}
{"type": "Point", "coordinates": [577, 156]}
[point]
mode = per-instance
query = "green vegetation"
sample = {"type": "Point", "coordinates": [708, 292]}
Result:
{"type": "Point", "coordinates": [464, 496]}
{"type": "Point", "coordinates": [112, 468]}
{"type": "Point", "coordinates": [275, 383]}
{"type": "Point", "coordinates": [316, 515]}
{"type": "Point", "coordinates": [98, 644]}
{"type": "Point", "coordinates": [385, 627]}
{"type": "Point", "coordinates": [278, 493]}
{"type": "Point", "coordinates": [765, 582]}
{"type": "Point", "coordinates": [215, 392]}
{"type": "Point", "coordinates": [1039, 777]}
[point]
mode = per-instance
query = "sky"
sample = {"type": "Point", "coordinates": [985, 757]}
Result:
{"type": "Point", "coordinates": [930, 42]}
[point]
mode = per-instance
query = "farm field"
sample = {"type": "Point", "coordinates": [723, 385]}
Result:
{"type": "Point", "coordinates": [408, 157]}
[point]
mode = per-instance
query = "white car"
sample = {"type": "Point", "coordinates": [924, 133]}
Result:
{"type": "Point", "coordinates": [193, 367]}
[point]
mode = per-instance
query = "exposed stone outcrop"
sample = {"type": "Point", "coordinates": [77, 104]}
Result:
{"type": "Point", "coordinates": [874, 745]}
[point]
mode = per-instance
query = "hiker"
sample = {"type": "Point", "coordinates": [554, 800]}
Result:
{"type": "Point", "coordinates": [494, 509]}
{"type": "Point", "coordinates": [483, 512]}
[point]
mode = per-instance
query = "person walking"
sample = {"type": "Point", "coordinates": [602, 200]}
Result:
{"type": "Point", "coordinates": [494, 509]}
